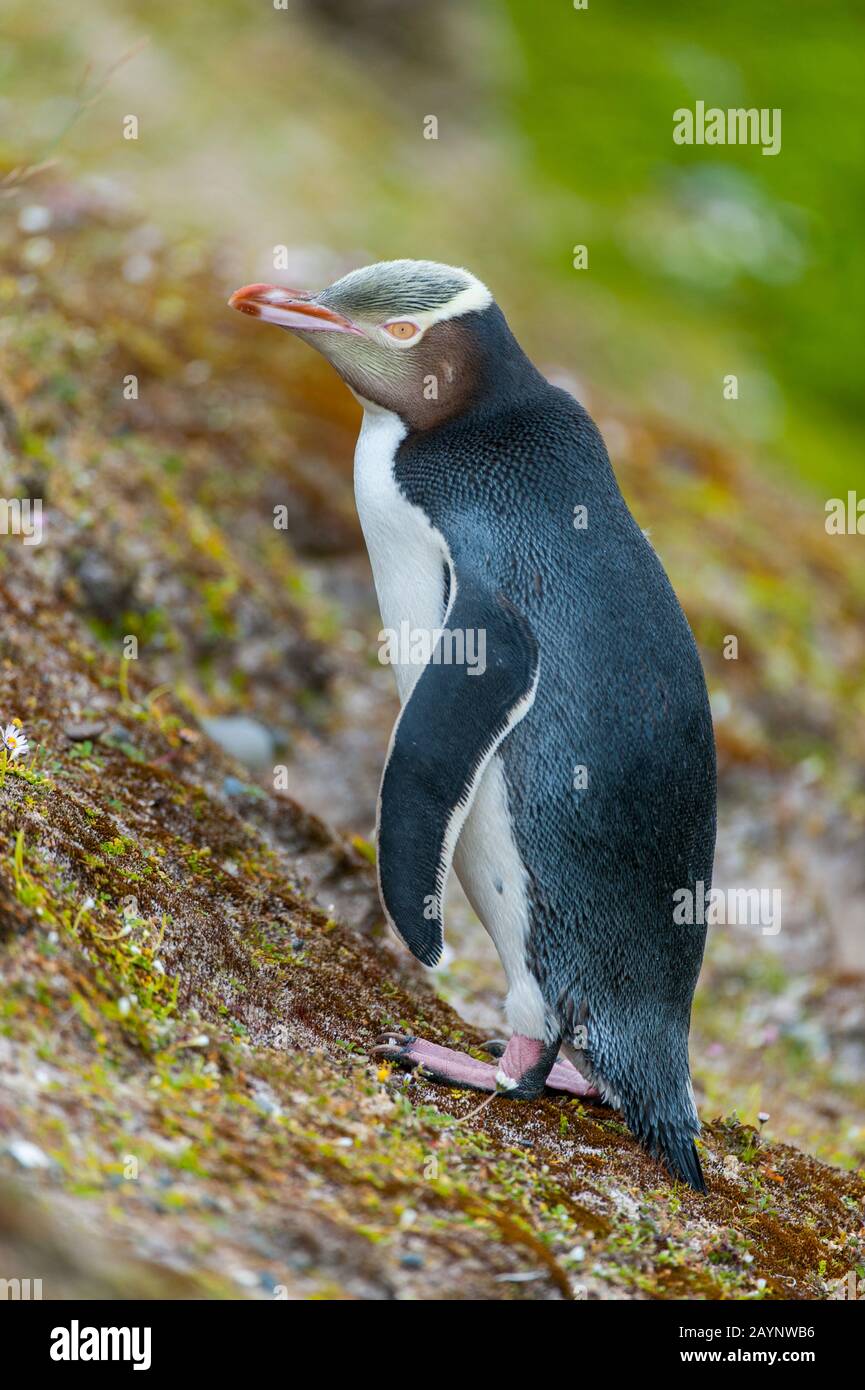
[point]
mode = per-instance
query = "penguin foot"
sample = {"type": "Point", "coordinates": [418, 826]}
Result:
{"type": "Point", "coordinates": [536, 1069]}
{"type": "Point", "coordinates": [561, 1075]}
{"type": "Point", "coordinates": [526, 1067]}
{"type": "Point", "coordinates": [441, 1064]}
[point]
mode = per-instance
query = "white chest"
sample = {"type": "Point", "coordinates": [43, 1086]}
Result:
{"type": "Point", "coordinates": [408, 555]}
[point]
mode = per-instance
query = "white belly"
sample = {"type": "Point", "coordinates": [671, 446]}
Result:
{"type": "Point", "coordinates": [408, 555]}
{"type": "Point", "coordinates": [493, 876]}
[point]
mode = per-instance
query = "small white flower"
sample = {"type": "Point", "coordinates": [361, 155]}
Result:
{"type": "Point", "coordinates": [15, 740]}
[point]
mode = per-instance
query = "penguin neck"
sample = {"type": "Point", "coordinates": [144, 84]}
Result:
{"type": "Point", "coordinates": [472, 366]}
{"type": "Point", "coordinates": [503, 374]}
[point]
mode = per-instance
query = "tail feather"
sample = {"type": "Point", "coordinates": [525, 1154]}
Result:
{"type": "Point", "coordinates": [677, 1149]}
{"type": "Point", "coordinates": [657, 1101]}
{"type": "Point", "coordinates": [668, 1136]}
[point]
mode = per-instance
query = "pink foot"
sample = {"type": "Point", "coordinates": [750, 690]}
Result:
{"type": "Point", "coordinates": [439, 1063]}
{"type": "Point", "coordinates": [527, 1057]}
{"type": "Point", "coordinates": [525, 1068]}
{"type": "Point", "coordinates": [520, 1052]}
{"type": "Point", "coordinates": [565, 1077]}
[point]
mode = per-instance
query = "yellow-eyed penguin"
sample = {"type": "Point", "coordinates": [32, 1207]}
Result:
{"type": "Point", "coordinates": [555, 742]}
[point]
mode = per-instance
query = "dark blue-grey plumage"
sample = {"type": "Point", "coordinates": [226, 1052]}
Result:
{"type": "Point", "coordinates": [621, 692]}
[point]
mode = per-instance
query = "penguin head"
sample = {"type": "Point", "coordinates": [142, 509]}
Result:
{"type": "Point", "coordinates": [423, 340]}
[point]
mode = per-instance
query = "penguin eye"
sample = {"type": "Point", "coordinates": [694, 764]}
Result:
{"type": "Point", "coordinates": [401, 329]}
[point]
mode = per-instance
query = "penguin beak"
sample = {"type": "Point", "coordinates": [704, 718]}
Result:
{"type": "Point", "coordinates": [289, 309]}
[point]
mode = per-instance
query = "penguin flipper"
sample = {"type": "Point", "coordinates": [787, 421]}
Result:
{"type": "Point", "coordinates": [446, 734]}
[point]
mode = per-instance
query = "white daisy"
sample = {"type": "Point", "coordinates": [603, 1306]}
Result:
{"type": "Point", "coordinates": [15, 740]}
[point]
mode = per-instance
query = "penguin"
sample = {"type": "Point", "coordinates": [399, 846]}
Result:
{"type": "Point", "coordinates": [569, 776]}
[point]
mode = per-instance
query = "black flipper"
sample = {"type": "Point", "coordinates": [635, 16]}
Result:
{"type": "Point", "coordinates": [446, 734]}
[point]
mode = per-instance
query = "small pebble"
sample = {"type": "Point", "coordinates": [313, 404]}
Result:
{"type": "Point", "coordinates": [80, 733]}
{"type": "Point", "coordinates": [38, 251]}
{"type": "Point", "coordinates": [27, 1155]}
{"type": "Point", "coordinates": [34, 218]}
{"type": "Point", "coordinates": [245, 739]}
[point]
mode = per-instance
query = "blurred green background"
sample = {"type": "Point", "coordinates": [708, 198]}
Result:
{"type": "Point", "coordinates": [304, 126]}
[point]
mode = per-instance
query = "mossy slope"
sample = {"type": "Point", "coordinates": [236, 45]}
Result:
{"type": "Point", "coordinates": [192, 1064]}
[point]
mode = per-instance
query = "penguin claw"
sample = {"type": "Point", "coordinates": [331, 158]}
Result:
{"type": "Point", "coordinates": [494, 1047]}
{"type": "Point", "coordinates": [395, 1047]}
{"type": "Point", "coordinates": [441, 1064]}
{"type": "Point", "coordinates": [392, 1038]}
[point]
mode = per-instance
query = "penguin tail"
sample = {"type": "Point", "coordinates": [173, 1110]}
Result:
{"type": "Point", "coordinates": [679, 1152]}
{"type": "Point", "coordinates": [669, 1136]}
{"type": "Point", "coordinates": [659, 1110]}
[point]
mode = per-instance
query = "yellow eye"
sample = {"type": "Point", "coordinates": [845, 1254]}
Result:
{"type": "Point", "coordinates": [402, 330]}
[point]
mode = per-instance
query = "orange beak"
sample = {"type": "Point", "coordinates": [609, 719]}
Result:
{"type": "Point", "coordinates": [289, 309]}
